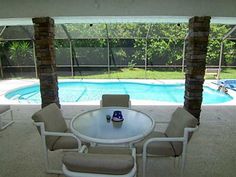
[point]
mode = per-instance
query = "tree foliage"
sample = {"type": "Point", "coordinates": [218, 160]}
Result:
{"type": "Point", "coordinates": [160, 44]}
{"type": "Point", "coordinates": [21, 53]}
{"type": "Point", "coordinates": [217, 32]}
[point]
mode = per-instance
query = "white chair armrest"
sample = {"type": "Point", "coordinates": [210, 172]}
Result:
{"type": "Point", "coordinates": [188, 130]}
{"type": "Point", "coordinates": [159, 139]}
{"type": "Point", "coordinates": [83, 149]}
{"type": "Point", "coordinates": [191, 129]}
{"type": "Point", "coordinates": [163, 139]}
{"type": "Point", "coordinates": [46, 133]}
{"type": "Point", "coordinates": [170, 139]}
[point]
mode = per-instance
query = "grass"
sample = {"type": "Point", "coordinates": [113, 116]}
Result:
{"type": "Point", "coordinates": [228, 74]}
{"type": "Point", "coordinates": [149, 74]}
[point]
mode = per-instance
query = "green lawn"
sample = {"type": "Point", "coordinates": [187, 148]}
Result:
{"type": "Point", "coordinates": [228, 74]}
{"type": "Point", "coordinates": [141, 74]}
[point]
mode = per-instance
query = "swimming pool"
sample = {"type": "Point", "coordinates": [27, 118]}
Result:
{"type": "Point", "coordinates": [81, 91]}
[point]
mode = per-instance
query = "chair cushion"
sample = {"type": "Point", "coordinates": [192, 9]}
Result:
{"type": "Point", "coordinates": [109, 150]}
{"type": "Point", "coordinates": [180, 120]}
{"type": "Point", "coordinates": [117, 164]}
{"type": "Point", "coordinates": [65, 142]}
{"type": "Point", "coordinates": [156, 148]}
{"type": "Point", "coordinates": [53, 120]}
{"type": "Point", "coordinates": [115, 100]}
{"type": "Point", "coordinates": [4, 108]}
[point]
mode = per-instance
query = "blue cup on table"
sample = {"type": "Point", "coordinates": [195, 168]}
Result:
{"type": "Point", "coordinates": [117, 116]}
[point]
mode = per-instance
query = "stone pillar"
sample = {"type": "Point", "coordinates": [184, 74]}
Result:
{"type": "Point", "coordinates": [46, 64]}
{"type": "Point", "coordinates": [196, 63]}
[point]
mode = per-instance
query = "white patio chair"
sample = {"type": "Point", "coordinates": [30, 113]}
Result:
{"type": "Point", "coordinates": [5, 114]}
{"type": "Point", "coordinates": [54, 132]}
{"type": "Point", "coordinates": [119, 100]}
{"type": "Point", "coordinates": [173, 142]}
{"type": "Point", "coordinates": [101, 162]}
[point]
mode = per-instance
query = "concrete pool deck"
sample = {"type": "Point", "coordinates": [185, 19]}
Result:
{"type": "Point", "coordinates": [211, 151]}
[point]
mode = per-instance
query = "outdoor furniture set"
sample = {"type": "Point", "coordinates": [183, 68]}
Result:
{"type": "Point", "coordinates": [105, 140]}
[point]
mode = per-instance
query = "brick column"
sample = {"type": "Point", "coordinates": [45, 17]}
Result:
{"type": "Point", "coordinates": [46, 64]}
{"type": "Point", "coordinates": [196, 63]}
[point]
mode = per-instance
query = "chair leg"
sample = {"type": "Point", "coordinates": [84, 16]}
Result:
{"type": "Point", "coordinates": [174, 162]}
{"type": "Point", "coordinates": [183, 160]}
{"type": "Point", "coordinates": [46, 159]}
{"type": "Point", "coordinates": [177, 162]}
{"type": "Point", "coordinates": [48, 170]}
{"type": "Point", "coordinates": [135, 160]}
{"type": "Point", "coordinates": [182, 167]}
{"type": "Point", "coordinates": [7, 124]}
{"type": "Point", "coordinates": [144, 159]}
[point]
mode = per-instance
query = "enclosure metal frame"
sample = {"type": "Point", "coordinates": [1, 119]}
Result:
{"type": "Point", "coordinates": [147, 36]}
{"type": "Point", "coordinates": [1, 69]}
{"type": "Point", "coordinates": [222, 48]}
{"type": "Point", "coordinates": [71, 49]}
{"type": "Point", "coordinates": [184, 49]}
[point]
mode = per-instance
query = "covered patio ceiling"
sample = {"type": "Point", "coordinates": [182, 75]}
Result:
{"type": "Point", "coordinates": [116, 19]}
{"type": "Point", "coordinates": [113, 11]}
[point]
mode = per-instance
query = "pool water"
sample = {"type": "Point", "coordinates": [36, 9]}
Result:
{"type": "Point", "coordinates": [91, 91]}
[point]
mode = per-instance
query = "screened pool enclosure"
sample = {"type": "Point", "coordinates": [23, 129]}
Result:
{"type": "Point", "coordinates": [87, 49]}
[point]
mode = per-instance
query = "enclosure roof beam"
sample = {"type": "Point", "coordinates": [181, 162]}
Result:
{"type": "Point", "coordinates": [18, 39]}
{"type": "Point", "coordinates": [149, 28]}
{"type": "Point", "coordinates": [186, 36]}
{"type": "Point", "coordinates": [124, 38]}
{"type": "Point", "coordinates": [27, 32]}
{"type": "Point", "coordinates": [3, 30]}
{"type": "Point", "coordinates": [232, 38]}
{"type": "Point", "coordinates": [66, 31]}
{"type": "Point", "coordinates": [230, 32]}
{"type": "Point", "coordinates": [107, 33]}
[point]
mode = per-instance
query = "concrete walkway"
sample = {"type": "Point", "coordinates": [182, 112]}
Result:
{"type": "Point", "coordinates": [211, 153]}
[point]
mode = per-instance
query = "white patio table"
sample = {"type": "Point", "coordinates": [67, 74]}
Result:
{"type": "Point", "coordinates": [95, 127]}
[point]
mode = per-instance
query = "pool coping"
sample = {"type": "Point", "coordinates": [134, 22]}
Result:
{"type": "Point", "coordinates": [10, 85]}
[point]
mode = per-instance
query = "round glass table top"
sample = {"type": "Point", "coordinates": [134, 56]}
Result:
{"type": "Point", "coordinates": [97, 126]}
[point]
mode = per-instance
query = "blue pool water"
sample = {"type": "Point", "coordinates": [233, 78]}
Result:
{"type": "Point", "coordinates": [91, 91]}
